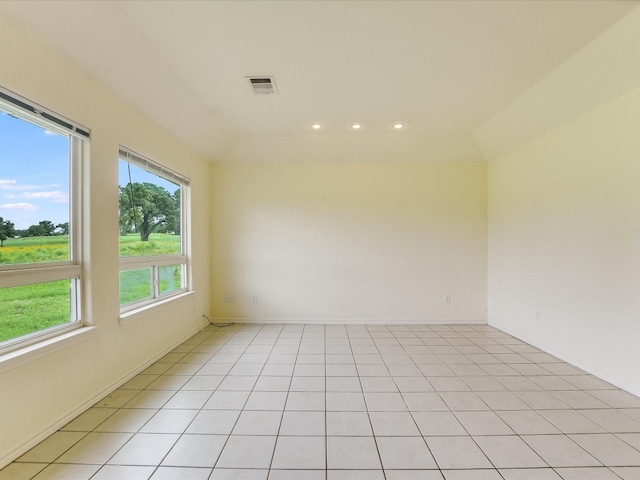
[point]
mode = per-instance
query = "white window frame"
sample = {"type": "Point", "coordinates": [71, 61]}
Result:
{"type": "Point", "coordinates": [16, 275]}
{"type": "Point", "coordinates": [155, 261]}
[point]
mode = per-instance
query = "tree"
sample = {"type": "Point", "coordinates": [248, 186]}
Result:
{"type": "Point", "coordinates": [7, 230]}
{"type": "Point", "coordinates": [36, 231]}
{"type": "Point", "coordinates": [176, 202]}
{"type": "Point", "coordinates": [63, 227]}
{"type": "Point", "coordinates": [44, 228]}
{"type": "Point", "coordinates": [145, 207]}
{"type": "Point", "coordinates": [48, 227]}
{"type": "Point", "coordinates": [173, 227]}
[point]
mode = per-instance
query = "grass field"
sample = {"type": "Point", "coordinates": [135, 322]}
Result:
{"type": "Point", "coordinates": [31, 308]}
{"type": "Point", "coordinates": [34, 250]}
{"type": "Point", "coordinates": [135, 285]}
{"type": "Point", "coordinates": [158, 243]}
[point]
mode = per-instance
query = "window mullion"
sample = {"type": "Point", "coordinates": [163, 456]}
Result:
{"type": "Point", "coordinates": [75, 300]}
{"type": "Point", "coordinates": [27, 276]}
{"type": "Point", "coordinates": [156, 281]}
{"type": "Point", "coordinates": [75, 193]}
{"type": "Point", "coordinates": [133, 263]}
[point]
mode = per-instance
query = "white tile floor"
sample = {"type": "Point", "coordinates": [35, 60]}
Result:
{"type": "Point", "coordinates": [306, 402]}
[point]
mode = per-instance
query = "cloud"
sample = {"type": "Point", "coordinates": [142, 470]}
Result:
{"type": "Point", "coordinates": [56, 196]}
{"type": "Point", "coordinates": [13, 185]}
{"type": "Point", "coordinates": [18, 206]}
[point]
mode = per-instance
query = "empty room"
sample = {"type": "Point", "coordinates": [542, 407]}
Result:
{"type": "Point", "coordinates": [319, 240]}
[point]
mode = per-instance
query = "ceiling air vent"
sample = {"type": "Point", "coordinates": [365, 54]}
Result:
{"type": "Point", "coordinates": [263, 85]}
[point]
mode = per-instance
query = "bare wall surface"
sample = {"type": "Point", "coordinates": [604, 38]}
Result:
{"type": "Point", "coordinates": [38, 395]}
{"type": "Point", "coordinates": [564, 242]}
{"type": "Point", "coordinates": [338, 242]}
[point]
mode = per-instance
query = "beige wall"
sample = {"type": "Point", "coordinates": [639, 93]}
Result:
{"type": "Point", "coordinates": [339, 242]}
{"type": "Point", "coordinates": [38, 395]}
{"type": "Point", "coordinates": [564, 241]}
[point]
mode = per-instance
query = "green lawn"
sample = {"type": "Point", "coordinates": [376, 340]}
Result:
{"type": "Point", "coordinates": [34, 250]}
{"type": "Point", "coordinates": [131, 246]}
{"type": "Point", "coordinates": [31, 308]}
{"type": "Point", "coordinates": [135, 285]}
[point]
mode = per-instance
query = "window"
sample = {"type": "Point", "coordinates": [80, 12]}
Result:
{"type": "Point", "coordinates": [153, 231]}
{"type": "Point", "coordinates": [40, 202]}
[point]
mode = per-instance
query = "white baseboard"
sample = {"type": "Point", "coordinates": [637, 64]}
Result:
{"type": "Point", "coordinates": [351, 321]}
{"type": "Point", "coordinates": [587, 368]}
{"type": "Point", "coordinates": [61, 422]}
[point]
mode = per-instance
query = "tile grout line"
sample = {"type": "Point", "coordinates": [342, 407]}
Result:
{"type": "Point", "coordinates": [480, 338]}
{"type": "Point", "coordinates": [284, 407]}
{"type": "Point", "coordinates": [180, 389]}
{"type": "Point", "coordinates": [216, 389]}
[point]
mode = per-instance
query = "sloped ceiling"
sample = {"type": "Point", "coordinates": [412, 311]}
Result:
{"type": "Point", "coordinates": [448, 70]}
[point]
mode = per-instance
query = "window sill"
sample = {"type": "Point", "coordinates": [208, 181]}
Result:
{"type": "Point", "coordinates": [133, 315]}
{"type": "Point", "coordinates": [22, 356]}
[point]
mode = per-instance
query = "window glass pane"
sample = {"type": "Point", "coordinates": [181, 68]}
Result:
{"type": "Point", "coordinates": [135, 286]}
{"type": "Point", "coordinates": [30, 308]}
{"type": "Point", "coordinates": [170, 279]}
{"type": "Point", "coordinates": [34, 193]}
{"type": "Point", "coordinates": [149, 209]}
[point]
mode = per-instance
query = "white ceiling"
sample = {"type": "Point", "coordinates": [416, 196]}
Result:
{"type": "Point", "coordinates": [444, 68]}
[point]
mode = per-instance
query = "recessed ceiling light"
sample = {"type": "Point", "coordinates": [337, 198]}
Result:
{"type": "Point", "coordinates": [356, 126]}
{"type": "Point", "coordinates": [398, 126]}
{"type": "Point", "coordinates": [316, 126]}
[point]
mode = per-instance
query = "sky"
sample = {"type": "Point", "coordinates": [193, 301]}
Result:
{"type": "Point", "coordinates": [34, 174]}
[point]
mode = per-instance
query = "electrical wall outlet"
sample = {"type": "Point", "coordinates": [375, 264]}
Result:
{"type": "Point", "coordinates": [254, 298]}
{"type": "Point", "coordinates": [446, 299]}
{"type": "Point", "coordinates": [229, 298]}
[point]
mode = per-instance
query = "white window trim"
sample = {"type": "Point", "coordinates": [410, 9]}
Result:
{"type": "Point", "coordinates": [16, 275]}
{"type": "Point", "coordinates": [45, 118]}
{"type": "Point", "coordinates": [157, 297]}
{"type": "Point", "coordinates": [161, 303]}
{"type": "Point", "coordinates": [40, 274]}
{"type": "Point", "coordinates": [130, 310]}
